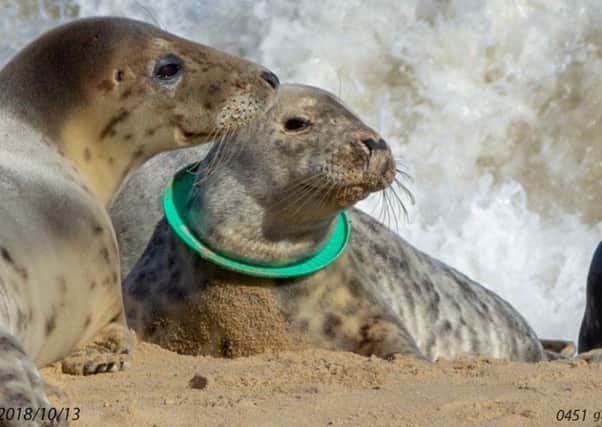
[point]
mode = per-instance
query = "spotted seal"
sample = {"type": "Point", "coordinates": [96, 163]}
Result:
{"type": "Point", "coordinates": [274, 201]}
{"type": "Point", "coordinates": [81, 107]}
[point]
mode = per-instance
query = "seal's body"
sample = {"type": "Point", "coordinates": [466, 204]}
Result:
{"type": "Point", "coordinates": [79, 109]}
{"type": "Point", "coordinates": [188, 305]}
{"type": "Point", "coordinates": [274, 201]}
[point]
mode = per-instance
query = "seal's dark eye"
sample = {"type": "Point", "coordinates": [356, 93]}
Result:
{"type": "Point", "coordinates": [168, 67]}
{"type": "Point", "coordinates": [296, 124]}
{"type": "Point", "coordinates": [168, 71]}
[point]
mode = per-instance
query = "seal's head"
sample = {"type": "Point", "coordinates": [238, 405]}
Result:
{"type": "Point", "coordinates": [111, 92]}
{"type": "Point", "coordinates": [281, 181]}
{"type": "Point", "coordinates": [311, 140]}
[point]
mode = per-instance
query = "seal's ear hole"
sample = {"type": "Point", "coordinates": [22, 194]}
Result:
{"type": "Point", "coordinates": [168, 68]}
{"type": "Point", "coordinates": [118, 76]}
{"type": "Point", "coordinates": [296, 124]}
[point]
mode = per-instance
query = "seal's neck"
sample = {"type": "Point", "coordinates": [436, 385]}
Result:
{"type": "Point", "coordinates": [58, 92]}
{"type": "Point", "coordinates": [104, 139]}
{"type": "Point", "coordinates": [106, 146]}
{"type": "Point", "coordinates": [228, 216]}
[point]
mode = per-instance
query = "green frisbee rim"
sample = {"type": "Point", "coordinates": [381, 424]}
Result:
{"type": "Point", "coordinates": [175, 195]}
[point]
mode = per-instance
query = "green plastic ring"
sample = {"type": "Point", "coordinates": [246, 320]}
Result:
{"type": "Point", "coordinates": [175, 195]}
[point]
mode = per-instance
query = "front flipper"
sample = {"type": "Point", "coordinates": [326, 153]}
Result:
{"type": "Point", "coordinates": [592, 356]}
{"type": "Point", "coordinates": [385, 339]}
{"type": "Point", "coordinates": [110, 351]}
{"type": "Point", "coordinates": [558, 349]}
{"type": "Point", "coordinates": [21, 387]}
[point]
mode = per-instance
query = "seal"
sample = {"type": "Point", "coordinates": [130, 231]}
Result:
{"type": "Point", "coordinates": [274, 200]}
{"type": "Point", "coordinates": [590, 333]}
{"type": "Point", "coordinates": [81, 107]}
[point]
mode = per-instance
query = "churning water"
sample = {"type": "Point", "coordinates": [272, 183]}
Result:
{"type": "Point", "coordinates": [494, 105]}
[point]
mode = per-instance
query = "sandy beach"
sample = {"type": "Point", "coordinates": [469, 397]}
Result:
{"type": "Point", "coordinates": [322, 388]}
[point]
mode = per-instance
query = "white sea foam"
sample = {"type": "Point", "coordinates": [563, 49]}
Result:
{"type": "Point", "coordinates": [494, 105]}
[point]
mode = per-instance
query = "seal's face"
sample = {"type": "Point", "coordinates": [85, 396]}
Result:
{"type": "Point", "coordinates": [269, 194]}
{"type": "Point", "coordinates": [112, 92]}
{"type": "Point", "coordinates": [313, 142]}
{"type": "Point", "coordinates": [191, 91]}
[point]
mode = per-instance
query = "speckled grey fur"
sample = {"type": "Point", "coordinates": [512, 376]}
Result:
{"type": "Point", "coordinates": [381, 297]}
{"type": "Point", "coordinates": [80, 107]}
{"type": "Point", "coordinates": [136, 210]}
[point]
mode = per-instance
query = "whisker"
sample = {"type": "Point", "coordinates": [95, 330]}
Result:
{"type": "Point", "coordinates": [303, 203]}
{"type": "Point", "coordinates": [218, 155]}
{"type": "Point", "coordinates": [300, 194]}
{"type": "Point", "coordinates": [193, 167]}
{"type": "Point", "coordinates": [387, 206]}
{"type": "Point", "coordinates": [405, 190]}
{"type": "Point", "coordinates": [396, 211]}
{"type": "Point", "coordinates": [232, 150]}
{"type": "Point", "coordinates": [395, 204]}
{"type": "Point", "coordinates": [404, 174]}
{"type": "Point", "coordinates": [307, 196]}
{"type": "Point", "coordinates": [295, 192]}
{"type": "Point", "coordinates": [381, 205]}
{"type": "Point", "coordinates": [204, 174]}
{"type": "Point", "coordinates": [326, 195]}
{"type": "Point", "coordinates": [399, 201]}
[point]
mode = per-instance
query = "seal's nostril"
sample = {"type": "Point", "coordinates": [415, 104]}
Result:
{"type": "Point", "coordinates": [374, 145]}
{"type": "Point", "coordinates": [271, 78]}
{"type": "Point", "coordinates": [370, 144]}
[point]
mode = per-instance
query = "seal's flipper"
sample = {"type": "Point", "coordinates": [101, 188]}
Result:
{"type": "Point", "coordinates": [20, 383]}
{"type": "Point", "coordinates": [563, 349]}
{"type": "Point", "coordinates": [110, 351]}
{"type": "Point", "coordinates": [592, 356]}
{"type": "Point", "coordinates": [385, 339]}
{"type": "Point", "coordinates": [590, 334]}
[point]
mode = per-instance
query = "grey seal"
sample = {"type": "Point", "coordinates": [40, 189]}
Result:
{"type": "Point", "coordinates": [80, 108]}
{"type": "Point", "coordinates": [274, 200]}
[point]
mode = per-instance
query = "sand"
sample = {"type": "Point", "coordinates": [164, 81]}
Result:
{"type": "Point", "coordinates": [322, 388]}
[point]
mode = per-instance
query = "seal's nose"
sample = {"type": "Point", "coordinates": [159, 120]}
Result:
{"type": "Point", "coordinates": [374, 145]}
{"type": "Point", "coordinates": [271, 78]}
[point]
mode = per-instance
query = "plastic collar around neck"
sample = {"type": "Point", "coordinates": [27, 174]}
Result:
{"type": "Point", "coordinates": [175, 196]}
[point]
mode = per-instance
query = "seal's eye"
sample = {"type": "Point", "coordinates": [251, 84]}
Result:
{"type": "Point", "coordinates": [168, 71]}
{"type": "Point", "coordinates": [296, 124]}
{"type": "Point", "coordinates": [168, 68]}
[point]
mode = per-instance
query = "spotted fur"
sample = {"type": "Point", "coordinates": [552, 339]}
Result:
{"type": "Point", "coordinates": [90, 94]}
{"type": "Point", "coordinates": [22, 386]}
{"type": "Point", "coordinates": [382, 296]}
